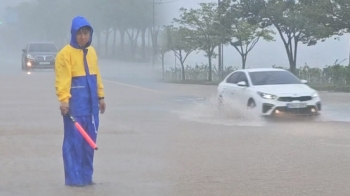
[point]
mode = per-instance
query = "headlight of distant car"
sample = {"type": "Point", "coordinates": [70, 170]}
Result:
{"type": "Point", "coordinates": [315, 95]}
{"type": "Point", "coordinates": [267, 96]}
{"type": "Point", "coordinates": [30, 57]}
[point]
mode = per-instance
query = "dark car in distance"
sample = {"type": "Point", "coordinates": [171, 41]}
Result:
{"type": "Point", "coordinates": [39, 55]}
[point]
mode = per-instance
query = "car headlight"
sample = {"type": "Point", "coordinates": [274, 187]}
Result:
{"type": "Point", "coordinates": [315, 95]}
{"type": "Point", "coordinates": [30, 57]}
{"type": "Point", "coordinates": [267, 96]}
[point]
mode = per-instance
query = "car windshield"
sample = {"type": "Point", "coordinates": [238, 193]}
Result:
{"type": "Point", "coordinates": [42, 48]}
{"type": "Point", "coordinates": [273, 77]}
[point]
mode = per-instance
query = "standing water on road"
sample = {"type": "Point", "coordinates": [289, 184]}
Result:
{"type": "Point", "coordinates": [231, 114]}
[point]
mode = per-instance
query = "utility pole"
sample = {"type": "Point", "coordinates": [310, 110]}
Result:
{"type": "Point", "coordinates": [220, 49]}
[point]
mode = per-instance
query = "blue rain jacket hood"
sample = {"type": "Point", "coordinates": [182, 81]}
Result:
{"type": "Point", "coordinates": [77, 23]}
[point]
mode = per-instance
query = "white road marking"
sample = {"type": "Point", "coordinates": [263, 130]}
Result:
{"type": "Point", "coordinates": [134, 86]}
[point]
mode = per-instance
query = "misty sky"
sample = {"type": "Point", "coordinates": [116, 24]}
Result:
{"type": "Point", "coordinates": [266, 54]}
{"type": "Point", "coordinates": [5, 3]}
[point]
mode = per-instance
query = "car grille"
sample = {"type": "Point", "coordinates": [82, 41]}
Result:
{"type": "Point", "coordinates": [290, 99]}
{"type": "Point", "coordinates": [44, 57]}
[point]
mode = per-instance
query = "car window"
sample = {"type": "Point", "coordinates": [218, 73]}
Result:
{"type": "Point", "coordinates": [233, 79]}
{"type": "Point", "coordinates": [42, 48]}
{"type": "Point", "coordinates": [273, 77]}
{"type": "Point", "coordinates": [243, 77]}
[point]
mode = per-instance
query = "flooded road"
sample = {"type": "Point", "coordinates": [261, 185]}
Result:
{"type": "Point", "coordinates": [169, 139]}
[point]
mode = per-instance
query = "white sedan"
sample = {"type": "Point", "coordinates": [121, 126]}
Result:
{"type": "Point", "coordinates": [270, 91]}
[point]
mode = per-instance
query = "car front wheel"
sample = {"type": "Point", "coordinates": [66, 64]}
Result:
{"type": "Point", "coordinates": [251, 104]}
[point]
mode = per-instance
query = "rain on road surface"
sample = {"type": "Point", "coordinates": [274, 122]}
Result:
{"type": "Point", "coordinates": [168, 139]}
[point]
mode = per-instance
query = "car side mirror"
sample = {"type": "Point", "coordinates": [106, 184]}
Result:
{"type": "Point", "coordinates": [23, 50]}
{"type": "Point", "coordinates": [304, 81]}
{"type": "Point", "coordinates": [242, 83]}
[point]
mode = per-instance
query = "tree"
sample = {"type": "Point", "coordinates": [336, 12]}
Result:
{"type": "Point", "coordinates": [338, 12]}
{"type": "Point", "coordinates": [164, 47]}
{"type": "Point", "coordinates": [337, 15]}
{"type": "Point", "coordinates": [181, 42]}
{"type": "Point", "coordinates": [295, 22]}
{"type": "Point", "coordinates": [244, 33]}
{"type": "Point", "coordinates": [206, 30]}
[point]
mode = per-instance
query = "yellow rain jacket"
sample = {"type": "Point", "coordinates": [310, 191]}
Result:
{"type": "Point", "coordinates": [78, 79]}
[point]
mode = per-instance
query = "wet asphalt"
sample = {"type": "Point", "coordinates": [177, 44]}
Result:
{"type": "Point", "coordinates": [169, 139]}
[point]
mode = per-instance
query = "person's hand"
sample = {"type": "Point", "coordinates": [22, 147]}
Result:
{"type": "Point", "coordinates": [102, 106]}
{"type": "Point", "coordinates": [64, 107]}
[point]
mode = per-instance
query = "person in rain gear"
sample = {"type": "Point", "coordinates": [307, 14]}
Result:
{"type": "Point", "coordinates": [80, 91]}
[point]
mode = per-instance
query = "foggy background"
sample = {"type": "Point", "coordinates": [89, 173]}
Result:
{"type": "Point", "coordinates": [122, 29]}
{"type": "Point", "coordinates": [266, 54]}
{"type": "Point", "coordinates": [159, 138]}
{"type": "Point", "coordinates": [49, 20]}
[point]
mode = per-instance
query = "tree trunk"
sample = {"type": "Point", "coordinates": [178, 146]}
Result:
{"type": "Point", "coordinates": [98, 41]}
{"type": "Point", "coordinates": [163, 54]}
{"type": "Point", "coordinates": [135, 43]}
{"type": "Point", "coordinates": [133, 40]}
{"type": "Point", "coordinates": [183, 76]}
{"type": "Point", "coordinates": [210, 77]}
{"type": "Point", "coordinates": [149, 43]}
{"type": "Point", "coordinates": [182, 61]}
{"type": "Point", "coordinates": [106, 42]}
{"type": "Point", "coordinates": [122, 40]}
{"type": "Point", "coordinates": [289, 49]}
{"type": "Point", "coordinates": [134, 46]}
{"type": "Point", "coordinates": [244, 60]}
{"type": "Point", "coordinates": [154, 42]}
{"type": "Point", "coordinates": [292, 62]}
{"type": "Point", "coordinates": [143, 43]}
{"type": "Point", "coordinates": [294, 65]}
{"type": "Point", "coordinates": [114, 41]}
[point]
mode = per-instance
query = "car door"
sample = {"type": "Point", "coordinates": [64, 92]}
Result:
{"type": "Point", "coordinates": [242, 92]}
{"type": "Point", "coordinates": [230, 86]}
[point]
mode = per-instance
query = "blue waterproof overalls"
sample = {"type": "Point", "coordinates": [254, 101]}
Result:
{"type": "Point", "coordinates": [83, 103]}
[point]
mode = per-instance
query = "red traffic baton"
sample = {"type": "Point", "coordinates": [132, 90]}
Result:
{"type": "Point", "coordinates": [83, 132]}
